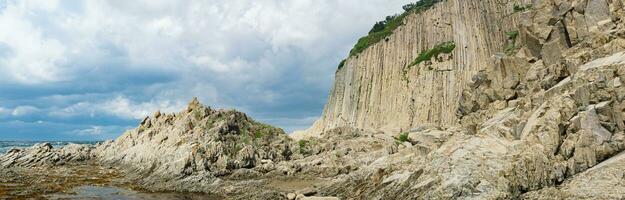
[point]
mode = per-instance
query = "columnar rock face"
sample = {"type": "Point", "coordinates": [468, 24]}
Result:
{"type": "Point", "coordinates": [546, 121]}
{"type": "Point", "coordinates": [377, 90]}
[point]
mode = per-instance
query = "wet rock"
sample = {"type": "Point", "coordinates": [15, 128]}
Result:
{"type": "Point", "coordinates": [291, 196]}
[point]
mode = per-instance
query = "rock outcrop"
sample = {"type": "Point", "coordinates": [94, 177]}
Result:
{"type": "Point", "coordinates": [171, 151]}
{"type": "Point", "coordinates": [44, 154]}
{"type": "Point", "coordinates": [544, 121]}
{"type": "Point", "coordinates": [379, 90]}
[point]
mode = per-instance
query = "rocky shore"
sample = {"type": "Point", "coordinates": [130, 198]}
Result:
{"type": "Point", "coordinates": [544, 120]}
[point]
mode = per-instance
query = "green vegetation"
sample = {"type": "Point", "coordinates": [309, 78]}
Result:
{"type": "Point", "coordinates": [258, 134]}
{"type": "Point", "coordinates": [341, 64]}
{"type": "Point", "coordinates": [264, 130]}
{"type": "Point", "coordinates": [302, 146]}
{"type": "Point", "coordinates": [445, 47]}
{"type": "Point", "coordinates": [403, 137]}
{"type": "Point", "coordinates": [245, 139]}
{"type": "Point", "coordinates": [210, 124]}
{"type": "Point", "coordinates": [521, 8]}
{"type": "Point", "coordinates": [512, 35]}
{"type": "Point", "coordinates": [385, 28]}
{"type": "Point", "coordinates": [511, 48]}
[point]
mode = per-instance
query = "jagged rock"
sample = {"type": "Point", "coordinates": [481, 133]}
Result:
{"type": "Point", "coordinates": [44, 154]}
{"type": "Point", "coordinates": [198, 144]}
{"type": "Point", "coordinates": [596, 11]}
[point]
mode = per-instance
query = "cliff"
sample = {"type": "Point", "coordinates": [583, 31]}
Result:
{"type": "Point", "coordinates": [378, 90]}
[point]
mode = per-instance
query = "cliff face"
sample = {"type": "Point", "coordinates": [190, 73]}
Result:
{"type": "Point", "coordinates": [376, 90]}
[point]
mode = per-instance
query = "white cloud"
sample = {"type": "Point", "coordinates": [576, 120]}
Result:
{"type": "Point", "coordinates": [119, 106]}
{"type": "Point", "coordinates": [80, 108]}
{"type": "Point", "coordinates": [125, 108]}
{"type": "Point", "coordinates": [32, 57]}
{"type": "Point", "coordinates": [93, 131]}
{"type": "Point", "coordinates": [98, 132]}
{"type": "Point", "coordinates": [247, 54]}
{"type": "Point", "coordinates": [45, 38]}
{"type": "Point", "coordinates": [24, 110]}
{"type": "Point", "coordinates": [4, 111]}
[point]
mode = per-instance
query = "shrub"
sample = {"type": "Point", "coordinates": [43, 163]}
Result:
{"type": "Point", "coordinates": [521, 8]}
{"type": "Point", "coordinates": [383, 29]}
{"type": "Point", "coordinates": [403, 137]}
{"type": "Point", "coordinates": [258, 134]}
{"type": "Point", "coordinates": [245, 139]}
{"type": "Point", "coordinates": [445, 47]}
{"type": "Point", "coordinates": [511, 48]}
{"type": "Point", "coordinates": [302, 146]}
{"type": "Point", "coordinates": [341, 64]}
{"type": "Point", "coordinates": [512, 35]}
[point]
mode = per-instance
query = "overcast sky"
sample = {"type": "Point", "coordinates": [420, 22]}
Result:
{"type": "Point", "coordinates": [88, 70]}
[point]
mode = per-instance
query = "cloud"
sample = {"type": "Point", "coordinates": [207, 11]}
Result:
{"type": "Point", "coordinates": [98, 131]}
{"type": "Point", "coordinates": [24, 110]}
{"type": "Point", "coordinates": [4, 111]}
{"type": "Point", "coordinates": [32, 57]}
{"type": "Point", "coordinates": [94, 130]}
{"type": "Point", "coordinates": [19, 111]}
{"type": "Point", "coordinates": [120, 106]}
{"type": "Point", "coordinates": [123, 107]}
{"type": "Point", "coordinates": [111, 62]}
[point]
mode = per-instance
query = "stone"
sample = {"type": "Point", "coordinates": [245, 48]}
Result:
{"type": "Point", "coordinates": [320, 198]}
{"type": "Point", "coordinates": [291, 196]}
{"type": "Point", "coordinates": [590, 121]}
{"type": "Point", "coordinates": [307, 191]}
{"type": "Point", "coordinates": [595, 12]}
{"type": "Point", "coordinates": [617, 82]}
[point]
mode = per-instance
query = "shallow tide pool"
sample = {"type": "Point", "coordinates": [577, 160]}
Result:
{"type": "Point", "coordinates": [114, 193]}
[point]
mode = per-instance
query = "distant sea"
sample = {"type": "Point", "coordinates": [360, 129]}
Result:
{"type": "Point", "coordinates": [5, 146]}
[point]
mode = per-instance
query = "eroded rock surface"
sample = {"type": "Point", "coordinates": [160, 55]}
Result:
{"type": "Point", "coordinates": [175, 151]}
{"type": "Point", "coordinates": [45, 154]}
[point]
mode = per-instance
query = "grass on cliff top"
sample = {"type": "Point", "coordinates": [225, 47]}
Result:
{"type": "Point", "coordinates": [385, 28]}
{"type": "Point", "coordinates": [445, 47]}
{"type": "Point", "coordinates": [341, 64]}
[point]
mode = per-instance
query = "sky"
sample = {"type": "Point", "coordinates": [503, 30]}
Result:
{"type": "Point", "coordinates": [89, 70]}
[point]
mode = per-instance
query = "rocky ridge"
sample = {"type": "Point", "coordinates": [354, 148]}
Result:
{"type": "Point", "coordinates": [45, 155]}
{"type": "Point", "coordinates": [195, 146]}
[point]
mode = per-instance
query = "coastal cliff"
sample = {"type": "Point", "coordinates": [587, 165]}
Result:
{"type": "Point", "coordinates": [514, 100]}
{"type": "Point", "coordinates": [377, 89]}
